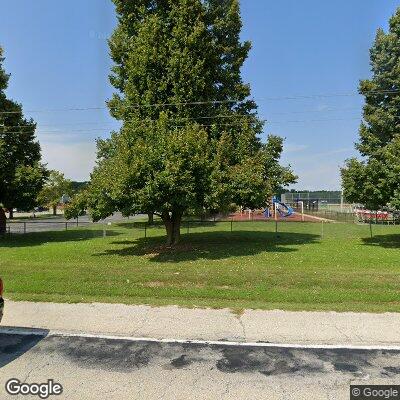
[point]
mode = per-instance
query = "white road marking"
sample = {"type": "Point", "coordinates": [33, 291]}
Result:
{"type": "Point", "coordinates": [53, 333]}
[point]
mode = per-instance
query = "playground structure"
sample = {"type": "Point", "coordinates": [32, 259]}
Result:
{"type": "Point", "coordinates": [332, 205]}
{"type": "Point", "coordinates": [377, 217]}
{"type": "Point", "coordinates": [317, 207]}
{"type": "Point", "coordinates": [278, 211]}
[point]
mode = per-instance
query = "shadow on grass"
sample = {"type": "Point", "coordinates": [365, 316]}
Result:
{"type": "Point", "coordinates": [211, 246]}
{"type": "Point", "coordinates": [387, 241]}
{"type": "Point", "coordinates": [138, 225]}
{"type": "Point", "coordinates": [160, 224]}
{"type": "Point", "coordinates": [39, 238]}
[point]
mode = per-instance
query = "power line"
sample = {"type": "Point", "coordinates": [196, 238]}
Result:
{"type": "Point", "coordinates": [329, 109]}
{"type": "Point", "coordinates": [238, 123]}
{"type": "Point", "coordinates": [211, 102]}
{"type": "Point", "coordinates": [39, 126]}
{"type": "Point", "coordinates": [276, 122]}
{"type": "Point", "coordinates": [195, 118]}
{"type": "Point", "coordinates": [55, 110]}
{"type": "Point", "coordinates": [63, 133]}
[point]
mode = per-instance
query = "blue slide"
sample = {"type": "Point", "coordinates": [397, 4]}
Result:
{"type": "Point", "coordinates": [283, 209]}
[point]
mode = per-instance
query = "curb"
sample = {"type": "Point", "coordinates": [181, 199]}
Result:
{"type": "Point", "coordinates": [65, 334]}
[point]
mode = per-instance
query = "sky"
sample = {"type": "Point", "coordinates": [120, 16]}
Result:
{"type": "Point", "coordinates": [304, 68]}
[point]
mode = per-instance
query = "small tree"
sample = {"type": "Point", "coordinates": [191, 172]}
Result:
{"type": "Point", "coordinates": [77, 207]}
{"type": "Point", "coordinates": [21, 174]}
{"type": "Point", "coordinates": [375, 180]}
{"type": "Point", "coordinates": [55, 187]}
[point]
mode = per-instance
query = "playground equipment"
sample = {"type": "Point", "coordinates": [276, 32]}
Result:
{"type": "Point", "coordinates": [280, 208]}
{"type": "Point", "coordinates": [367, 215]}
{"type": "Point", "coordinates": [377, 217]}
{"type": "Point", "coordinates": [267, 213]}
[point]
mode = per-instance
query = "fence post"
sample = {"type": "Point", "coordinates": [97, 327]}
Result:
{"type": "Point", "coordinates": [24, 227]}
{"type": "Point", "coordinates": [77, 222]}
{"type": "Point", "coordinates": [370, 227]}
{"type": "Point", "coordinates": [231, 225]}
{"type": "Point", "coordinates": [66, 226]}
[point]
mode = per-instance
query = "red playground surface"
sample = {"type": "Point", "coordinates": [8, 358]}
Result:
{"type": "Point", "coordinates": [259, 216]}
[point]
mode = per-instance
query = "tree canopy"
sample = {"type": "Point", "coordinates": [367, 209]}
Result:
{"type": "Point", "coordinates": [375, 179]}
{"type": "Point", "coordinates": [21, 174]}
{"type": "Point", "coordinates": [55, 187]}
{"type": "Point", "coordinates": [190, 136]}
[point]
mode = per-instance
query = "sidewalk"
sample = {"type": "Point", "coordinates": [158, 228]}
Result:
{"type": "Point", "coordinates": [304, 328]}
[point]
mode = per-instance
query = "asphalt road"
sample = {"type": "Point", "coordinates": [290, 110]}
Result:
{"type": "Point", "coordinates": [60, 223]}
{"type": "Point", "coordinates": [98, 368]}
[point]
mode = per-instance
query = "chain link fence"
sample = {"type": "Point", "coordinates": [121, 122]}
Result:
{"type": "Point", "coordinates": [24, 227]}
{"type": "Point", "coordinates": [330, 226]}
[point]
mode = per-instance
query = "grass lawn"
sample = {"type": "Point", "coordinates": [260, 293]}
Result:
{"type": "Point", "coordinates": [249, 268]}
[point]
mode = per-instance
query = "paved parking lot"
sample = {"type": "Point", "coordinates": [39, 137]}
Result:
{"type": "Point", "coordinates": [31, 225]}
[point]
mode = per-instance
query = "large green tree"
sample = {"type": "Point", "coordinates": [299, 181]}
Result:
{"type": "Point", "coordinates": [375, 179]}
{"type": "Point", "coordinates": [190, 138]}
{"type": "Point", "coordinates": [21, 174]}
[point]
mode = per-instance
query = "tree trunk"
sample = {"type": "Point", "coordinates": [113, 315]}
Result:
{"type": "Point", "coordinates": [151, 218]}
{"type": "Point", "coordinates": [3, 222]}
{"type": "Point", "coordinates": [168, 228]}
{"type": "Point", "coordinates": [54, 210]}
{"type": "Point", "coordinates": [177, 230]}
{"type": "Point", "coordinates": [173, 227]}
{"type": "Point", "coordinates": [11, 213]}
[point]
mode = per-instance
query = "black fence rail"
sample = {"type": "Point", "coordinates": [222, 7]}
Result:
{"type": "Point", "coordinates": [229, 224]}
{"type": "Point", "coordinates": [23, 227]}
{"type": "Point", "coordinates": [188, 224]}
